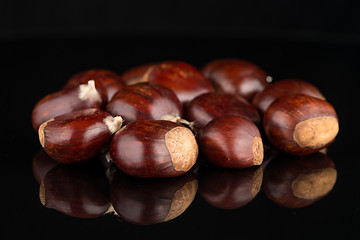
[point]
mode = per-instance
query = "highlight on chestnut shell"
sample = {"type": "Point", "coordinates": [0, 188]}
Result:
{"type": "Point", "coordinates": [154, 148]}
{"type": "Point", "coordinates": [78, 136]}
{"type": "Point", "coordinates": [300, 124]}
{"type": "Point", "coordinates": [231, 142]}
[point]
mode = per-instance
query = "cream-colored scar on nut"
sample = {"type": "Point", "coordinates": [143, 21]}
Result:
{"type": "Point", "coordinates": [113, 123]}
{"type": "Point", "coordinates": [258, 150]}
{"type": "Point", "coordinates": [41, 132]}
{"type": "Point", "coordinates": [316, 132]}
{"type": "Point", "coordinates": [257, 181]}
{"type": "Point", "coordinates": [314, 184]}
{"type": "Point", "coordinates": [88, 92]}
{"type": "Point", "coordinates": [182, 146]}
{"type": "Point", "coordinates": [182, 199]}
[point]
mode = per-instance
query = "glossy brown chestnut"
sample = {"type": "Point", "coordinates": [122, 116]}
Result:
{"type": "Point", "coordinates": [150, 201]}
{"type": "Point", "coordinates": [231, 142]}
{"type": "Point", "coordinates": [230, 188]}
{"type": "Point", "coordinates": [293, 181]}
{"type": "Point", "coordinates": [300, 124]}
{"type": "Point", "coordinates": [154, 148]}
{"type": "Point", "coordinates": [88, 95]}
{"type": "Point", "coordinates": [208, 106]}
{"type": "Point", "coordinates": [286, 87]}
{"type": "Point", "coordinates": [80, 190]}
{"type": "Point", "coordinates": [185, 80]}
{"type": "Point", "coordinates": [145, 101]}
{"type": "Point", "coordinates": [110, 80]}
{"type": "Point", "coordinates": [236, 76]}
{"type": "Point", "coordinates": [78, 136]}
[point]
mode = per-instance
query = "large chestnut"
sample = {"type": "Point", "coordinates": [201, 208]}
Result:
{"type": "Point", "coordinates": [110, 80]}
{"type": "Point", "coordinates": [154, 148]}
{"type": "Point", "coordinates": [150, 201]}
{"type": "Point", "coordinates": [79, 190]}
{"type": "Point", "coordinates": [78, 136]}
{"type": "Point", "coordinates": [230, 188]}
{"type": "Point", "coordinates": [236, 76]}
{"type": "Point", "coordinates": [231, 142]}
{"type": "Point", "coordinates": [208, 106]}
{"type": "Point", "coordinates": [298, 181]}
{"type": "Point", "coordinates": [185, 80]}
{"type": "Point", "coordinates": [145, 101]}
{"type": "Point", "coordinates": [263, 99]}
{"type": "Point", "coordinates": [88, 95]}
{"type": "Point", "coordinates": [300, 124]}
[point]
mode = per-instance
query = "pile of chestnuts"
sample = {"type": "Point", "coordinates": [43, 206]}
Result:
{"type": "Point", "coordinates": [155, 119]}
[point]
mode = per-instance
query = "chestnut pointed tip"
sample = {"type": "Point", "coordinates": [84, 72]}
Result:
{"type": "Point", "coordinates": [258, 150]}
{"type": "Point", "coordinates": [113, 123]}
{"type": "Point", "coordinates": [88, 91]}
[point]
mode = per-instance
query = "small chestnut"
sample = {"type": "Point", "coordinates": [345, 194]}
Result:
{"type": "Point", "coordinates": [145, 101]}
{"type": "Point", "coordinates": [88, 95]}
{"type": "Point", "coordinates": [77, 136]}
{"type": "Point", "coordinates": [263, 99]}
{"type": "Point", "coordinates": [208, 106]}
{"type": "Point", "coordinates": [110, 80]}
{"type": "Point", "coordinates": [298, 181]}
{"type": "Point", "coordinates": [300, 124]}
{"type": "Point", "coordinates": [154, 148]}
{"type": "Point", "coordinates": [231, 142]}
{"type": "Point", "coordinates": [186, 81]}
{"type": "Point", "coordinates": [236, 76]}
{"type": "Point", "coordinates": [151, 200]}
{"type": "Point", "coordinates": [230, 188]}
{"type": "Point", "coordinates": [77, 190]}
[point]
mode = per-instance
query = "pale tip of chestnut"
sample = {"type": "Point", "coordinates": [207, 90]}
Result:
{"type": "Point", "coordinates": [257, 181]}
{"type": "Point", "coordinates": [113, 123]}
{"type": "Point", "coordinates": [258, 150]}
{"type": "Point", "coordinates": [316, 132]}
{"type": "Point", "coordinates": [183, 149]}
{"type": "Point", "coordinates": [269, 79]}
{"type": "Point", "coordinates": [88, 91]}
{"type": "Point", "coordinates": [42, 133]}
{"type": "Point", "coordinates": [174, 117]}
{"type": "Point", "coordinates": [314, 184]}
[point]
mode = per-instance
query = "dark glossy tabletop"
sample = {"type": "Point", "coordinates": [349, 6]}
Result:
{"type": "Point", "coordinates": [221, 204]}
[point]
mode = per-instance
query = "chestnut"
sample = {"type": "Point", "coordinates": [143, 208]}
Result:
{"type": "Point", "coordinates": [109, 79]}
{"type": "Point", "coordinates": [145, 101]}
{"type": "Point", "coordinates": [77, 136]}
{"type": "Point", "coordinates": [263, 99]}
{"type": "Point", "coordinates": [298, 181]}
{"type": "Point", "coordinates": [230, 188]}
{"type": "Point", "coordinates": [231, 142]}
{"type": "Point", "coordinates": [208, 106]}
{"type": "Point", "coordinates": [300, 124]}
{"type": "Point", "coordinates": [88, 95]}
{"type": "Point", "coordinates": [236, 76]}
{"type": "Point", "coordinates": [154, 148]}
{"type": "Point", "coordinates": [79, 190]}
{"type": "Point", "coordinates": [186, 81]}
{"type": "Point", "coordinates": [151, 200]}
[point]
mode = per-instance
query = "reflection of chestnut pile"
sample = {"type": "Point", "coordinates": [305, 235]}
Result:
{"type": "Point", "coordinates": [154, 119]}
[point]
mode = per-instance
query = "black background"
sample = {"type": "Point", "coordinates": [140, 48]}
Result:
{"type": "Point", "coordinates": [43, 43]}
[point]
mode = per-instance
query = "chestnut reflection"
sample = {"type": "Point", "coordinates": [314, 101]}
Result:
{"type": "Point", "coordinates": [229, 188]}
{"type": "Point", "coordinates": [77, 190]}
{"type": "Point", "coordinates": [150, 201]}
{"type": "Point", "coordinates": [42, 164]}
{"type": "Point", "coordinates": [295, 182]}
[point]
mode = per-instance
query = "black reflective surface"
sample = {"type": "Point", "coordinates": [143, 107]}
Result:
{"type": "Point", "coordinates": [36, 67]}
